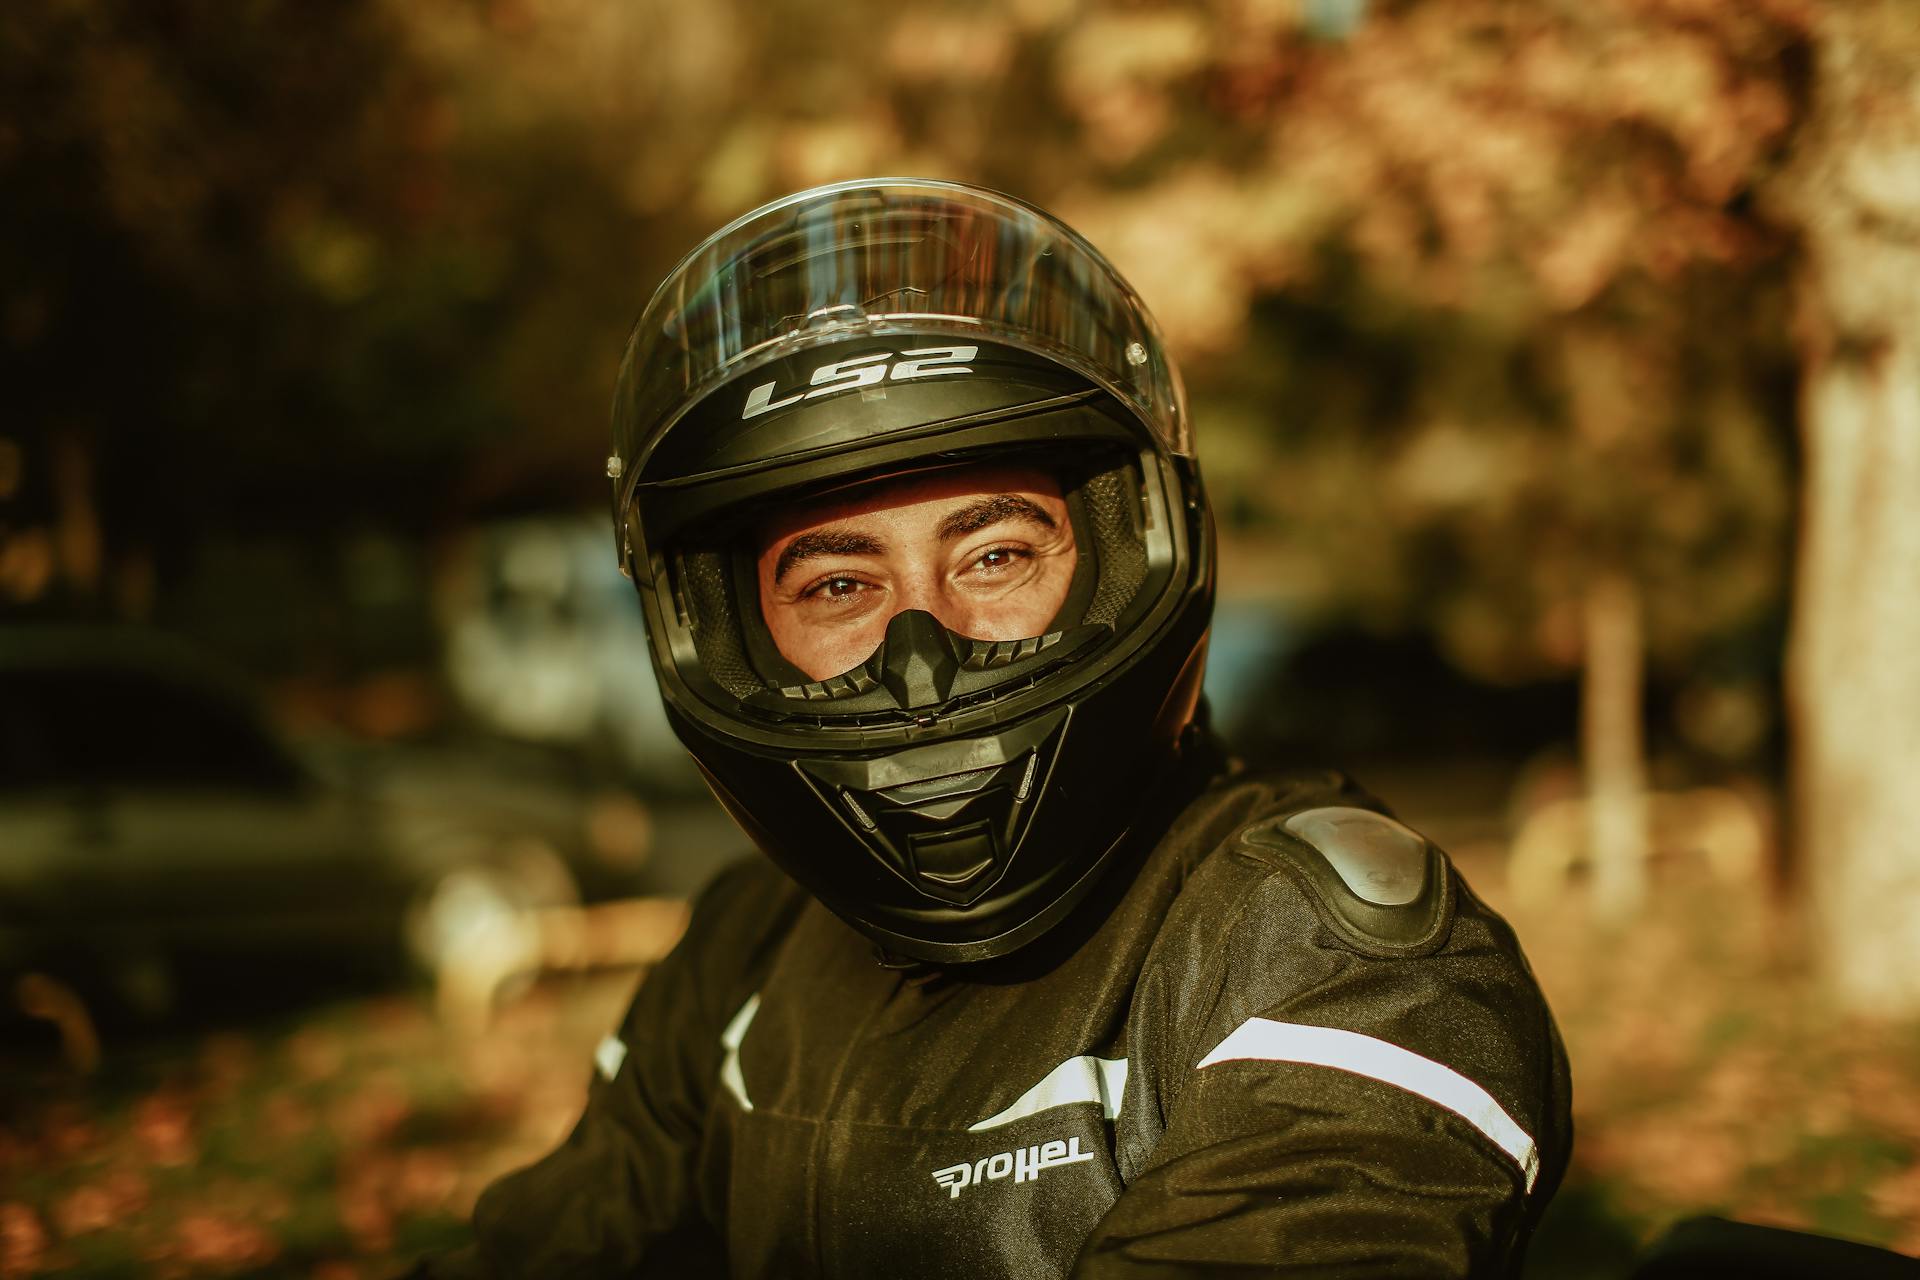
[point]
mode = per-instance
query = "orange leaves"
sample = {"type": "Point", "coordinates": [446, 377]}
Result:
{"type": "Point", "coordinates": [1507, 161]}
{"type": "Point", "coordinates": [1551, 141]}
{"type": "Point", "coordinates": [1465, 144]}
{"type": "Point", "coordinates": [23, 1240]}
{"type": "Point", "coordinates": [1898, 1199]}
{"type": "Point", "coordinates": [315, 1054]}
{"type": "Point", "coordinates": [332, 1149]}
{"type": "Point", "coordinates": [95, 1206]}
{"type": "Point", "coordinates": [369, 1114]}
{"type": "Point", "coordinates": [1573, 264]}
{"type": "Point", "coordinates": [1191, 249]}
{"type": "Point", "coordinates": [162, 1128]}
{"type": "Point", "coordinates": [382, 1189]}
{"type": "Point", "coordinates": [949, 47]}
{"type": "Point", "coordinates": [213, 1241]}
{"type": "Point", "coordinates": [1116, 71]}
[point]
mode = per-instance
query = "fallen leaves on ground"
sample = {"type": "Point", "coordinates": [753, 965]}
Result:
{"type": "Point", "coordinates": [1710, 1074]}
{"type": "Point", "coordinates": [340, 1145]}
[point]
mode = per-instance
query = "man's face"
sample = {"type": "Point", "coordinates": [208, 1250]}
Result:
{"type": "Point", "coordinates": [988, 550]}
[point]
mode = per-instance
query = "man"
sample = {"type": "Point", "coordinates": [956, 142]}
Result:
{"type": "Point", "coordinates": [1032, 983]}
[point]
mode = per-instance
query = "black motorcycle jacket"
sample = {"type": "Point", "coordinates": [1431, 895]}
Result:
{"type": "Point", "coordinates": [1288, 1039]}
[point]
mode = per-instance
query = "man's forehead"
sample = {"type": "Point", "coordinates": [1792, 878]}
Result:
{"type": "Point", "coordinates": [889, 495]}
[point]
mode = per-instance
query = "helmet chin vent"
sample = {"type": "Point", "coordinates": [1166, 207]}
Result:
{"type": "Point", "coordinates": [956, 784]}
{"type": "Point", "coordinates": [947, 862]}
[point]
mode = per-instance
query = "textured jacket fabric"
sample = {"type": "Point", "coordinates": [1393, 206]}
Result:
{"type": "Point", "coordinates": [1208, 1072]}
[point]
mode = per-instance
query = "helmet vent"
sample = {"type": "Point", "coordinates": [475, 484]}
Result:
{"type": "Point", "coordinates": [988, 654]}
{"type": "Point", "coordinates": [941, 788]}
{"type": "Point", "coordinates": [860, 815]}
{"type": "Point", "coordinates": [846, 685]}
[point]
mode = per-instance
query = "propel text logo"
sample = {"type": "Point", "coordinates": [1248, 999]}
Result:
{"type": "Point", "coordinates": [865, 371]}
{"type": "Point", "coordinates": [1025, 1165]}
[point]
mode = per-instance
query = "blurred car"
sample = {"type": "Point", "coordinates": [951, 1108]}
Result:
{"type": "Point", "coordinates": [155, 826]}
{"type": "Point", "coordinates": [543, 643]}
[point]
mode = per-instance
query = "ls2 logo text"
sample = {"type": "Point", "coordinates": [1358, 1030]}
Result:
{"type": "Point", "coordinates": [865, 371]}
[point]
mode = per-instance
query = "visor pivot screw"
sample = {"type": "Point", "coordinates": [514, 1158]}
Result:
{"type": "Point", "coordinates": [614, 467]}
{"type": "Point", "coordinates": [1136, 354]}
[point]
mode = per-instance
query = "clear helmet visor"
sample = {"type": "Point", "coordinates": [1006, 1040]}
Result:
{"type": "Point", "coordinates": [878, 256]}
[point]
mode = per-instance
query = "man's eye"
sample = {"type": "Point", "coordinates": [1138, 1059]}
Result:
{"type": "Point", "coordinates": [836, 588]}
{"type": "Point", "coordinates": [1000, 558]}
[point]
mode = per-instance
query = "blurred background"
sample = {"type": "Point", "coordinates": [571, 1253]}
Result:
{"type": "Point", "coordinates": [1557, 376]}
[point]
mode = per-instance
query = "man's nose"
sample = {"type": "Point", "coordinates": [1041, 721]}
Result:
{"type": "Point", "coordinates": [917, 661]}
{"type": "Point", "coordinates": [923, 593]}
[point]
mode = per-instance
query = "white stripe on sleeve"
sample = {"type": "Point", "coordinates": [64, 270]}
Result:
{"type": "Point", "coordinates": [1265, 1040]}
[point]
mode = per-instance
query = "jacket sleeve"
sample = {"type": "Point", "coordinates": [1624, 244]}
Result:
{"type": "Point", "coordinates": [1333, 1108]}
{"type": "Point", "coordinates": [619, 1197]}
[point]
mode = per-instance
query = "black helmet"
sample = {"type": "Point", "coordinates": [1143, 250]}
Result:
{"type": "Point", "coordinates": [951, 798]}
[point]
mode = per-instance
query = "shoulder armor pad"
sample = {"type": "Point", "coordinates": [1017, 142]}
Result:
{"type": "Point", "coordinates": [1378, 883]}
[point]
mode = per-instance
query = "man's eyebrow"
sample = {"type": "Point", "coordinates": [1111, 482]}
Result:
{"type": "Point", "coordinates": [816, 543]}
{"type": "Point", "coordinates": [989, 511]}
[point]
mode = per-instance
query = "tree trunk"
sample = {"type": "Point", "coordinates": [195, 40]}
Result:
{"type": "Point", "coordinates": [77, 518]}
{"type": "Point", "coordinates": [1854, 651]}
{"type": "Point", "coordinates": [1612, 748]}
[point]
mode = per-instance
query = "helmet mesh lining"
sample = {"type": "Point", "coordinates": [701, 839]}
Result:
{"type": "Point", "coordinates": [716, 627]}
{"type": "Point", "coordinates": [1121, 553]}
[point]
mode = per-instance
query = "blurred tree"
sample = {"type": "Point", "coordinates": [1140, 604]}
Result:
{"type": "Point", "coordinates": [278, 269]}
{"type": "Point", "coordinates": [1854, 189]}
{"type": "Point", "coordinates": [196, 189]}
{"type": "Point", "coordinates": [1545, 215]}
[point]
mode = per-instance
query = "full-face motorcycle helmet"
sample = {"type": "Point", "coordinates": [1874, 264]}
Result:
{"type": "Point", "coordinates": [950, 797]}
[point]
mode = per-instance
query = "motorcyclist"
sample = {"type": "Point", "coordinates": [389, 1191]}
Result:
{"type": "Point", "coordinates": [1031, 980]}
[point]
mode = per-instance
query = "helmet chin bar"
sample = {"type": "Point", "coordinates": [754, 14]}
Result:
{"type": "Point", "coordinates": [945, 817]}
{"type": "Point", "coordinates": [921, 666]}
